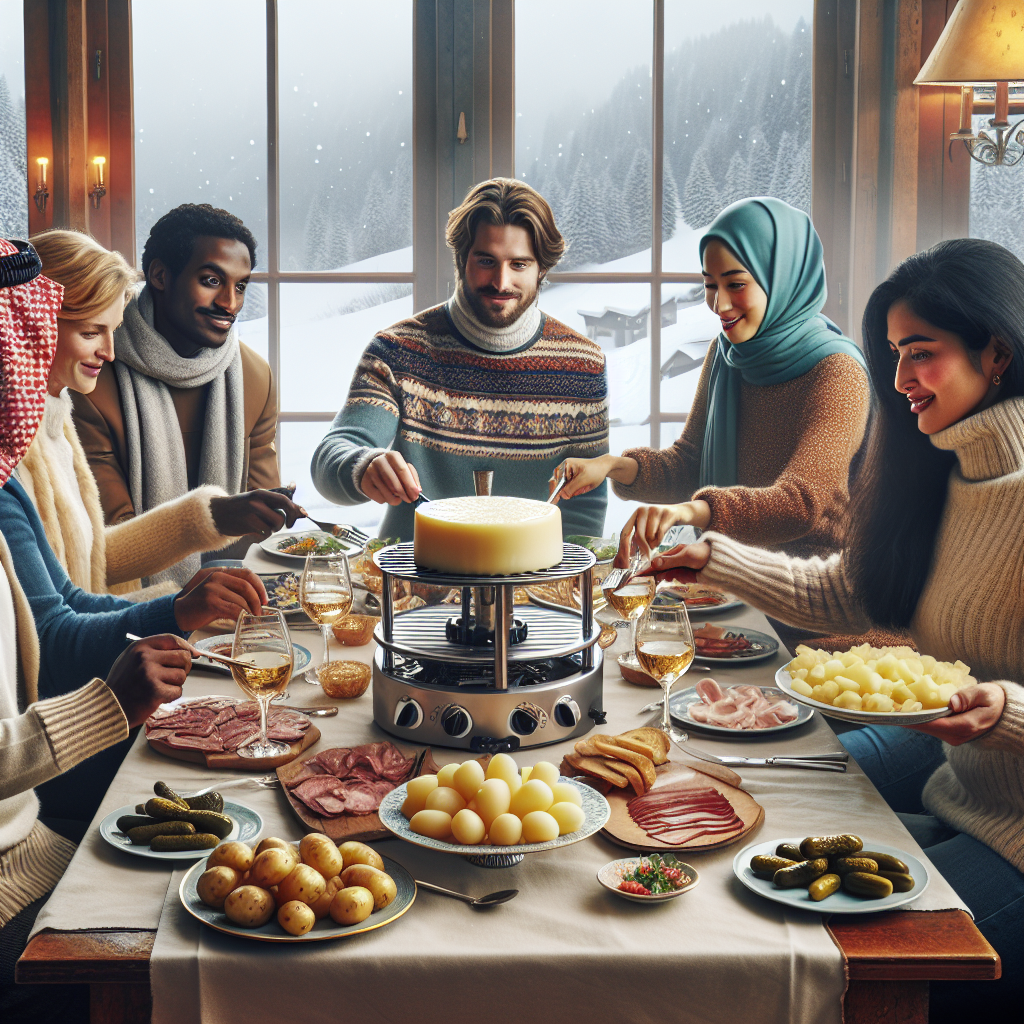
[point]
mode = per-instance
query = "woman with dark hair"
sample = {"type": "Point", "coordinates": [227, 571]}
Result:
{"type": "Point", "coordinates": [936, 548]}
{"type": "Point", "coordinates": [780, 407]}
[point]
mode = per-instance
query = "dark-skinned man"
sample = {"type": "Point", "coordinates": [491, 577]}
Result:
{"type": "Point", "coordinates": [185, 404]}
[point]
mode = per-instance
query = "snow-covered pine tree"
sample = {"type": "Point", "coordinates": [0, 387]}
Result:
{"type": "Point", "coordinates": [13, 173]}
{"type": "Point", "coordinates": [737, 180]}
{"type": "Point", "coordinates": [798, 186]}
{"type": "Point", "coordinates": [584, 223]}
{"type": "Point", "coordinates": [671, 208]}
{"type": "Point", "coordinates": [701, 201]}
{"type": "Point", "coordinates": [760, 161]}
{"type": "Point", "coordinates": [373, 220]}
{"type": "Point", "coordinates": [616, 218]}
{"type": "Point", "coordinates": [316, 231]}
{"type": "Point", "coordinates": [637, 198]}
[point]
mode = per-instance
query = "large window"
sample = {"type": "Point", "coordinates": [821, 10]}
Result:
{"type": "Point", "coordinates": [997, 193]}
{"type": "Point", "coordinates": [13, 184]}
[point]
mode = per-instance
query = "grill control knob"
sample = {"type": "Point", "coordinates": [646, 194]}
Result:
{"type": "Point", "coordinates": [567, 712]}
{"type": "Point", "coordinates": [456, 721]}
{"type": "Point", "coordinates": [526, 719]}
{"type": "Point", "coordinates": [408, 714]}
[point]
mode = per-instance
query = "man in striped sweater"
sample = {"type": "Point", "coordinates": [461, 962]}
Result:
{"type": "Point", "coordinates": [483, 381]}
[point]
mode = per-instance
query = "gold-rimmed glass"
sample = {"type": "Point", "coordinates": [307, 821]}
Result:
{"type": "Point", "coordinates": [665, 648]}
{"type": "Point", "coordinates": [325, 593]}
{"type": "Point", "coordinates": [263, 643]}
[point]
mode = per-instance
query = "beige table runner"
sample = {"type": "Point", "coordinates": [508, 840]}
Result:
{"type": "Point", "coordinates": [564, 946]}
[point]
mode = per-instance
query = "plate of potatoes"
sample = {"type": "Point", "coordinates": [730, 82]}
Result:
{"type": "Point", "coordinates": [873, 685]}
{"type": "Point", "coordinates": [310, 891]}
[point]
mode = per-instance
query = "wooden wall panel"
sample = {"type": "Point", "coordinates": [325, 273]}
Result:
{"type": "Point", "coordinates": [121, 120]}
{"type": "Point", "coordinates": [903, 217]}
{"type": "Point", "coordinates": [37, 108]}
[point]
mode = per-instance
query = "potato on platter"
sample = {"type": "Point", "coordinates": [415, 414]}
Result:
{"type": "Point", "coordinates": [359, 853]}
{"type": "Point", "coordinates": [311, 840]}
{"type": "Point", "coordinates": [468, 827]}
{"type": "Point", "coordinates": [381, 884]}
{"type": "Point", "coordinates": [216, 884]}
{"type": "Point", "coordinates": [432, 824]}
{"type": "Point", "coordinates": [322, 907]}
{"type": "Point", "coordinates": [270, 843]}
{"type": "Point", "coordinates": [352, 905]}
{"type": "Point", "coordinates": [249, 906]}
{"type": "Point", "coordinates": [304, 884]}
{"type": "Point", "coordinates": [273, 866]}
{"type": "Point", "coordinates": [296, 917]}
{"type": "Point", "coordinates": [233, 855]}
{"type": "Point", "coordinates": [416, 792]}
{"type": "Point", "coordinates": [325, 857]}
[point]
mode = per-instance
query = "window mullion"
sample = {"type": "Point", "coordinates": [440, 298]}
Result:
{"type": "Point", "coordinates": [658, 155]}
{"type": "Point", "coordinates": [273, 210]}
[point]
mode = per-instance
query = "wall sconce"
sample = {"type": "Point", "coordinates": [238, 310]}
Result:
{"type": "Point", "coordinates": [99, 190]}
{"type": "Point", "coordinates": [42, 194]}
{"type": "Point", "coordinates": [982, 45]}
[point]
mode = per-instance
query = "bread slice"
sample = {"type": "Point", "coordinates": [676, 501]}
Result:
{"type": "Point", "coordinates": [643, 764]}
{"type": "Point", "coordinates": [636, 780]}
{"type": "Point", "coordinates": [657, 740]}
{"type": "Point", "coordinates": [598, 768]}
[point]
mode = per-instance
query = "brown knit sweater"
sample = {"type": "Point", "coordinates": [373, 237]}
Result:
{"type": "Point", "coordinates": [795, 442]}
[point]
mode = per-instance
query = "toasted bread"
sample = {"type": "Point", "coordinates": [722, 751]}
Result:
{"type": "Point", "coordinates": [636, 780]}
{"type": "Point", "coordinates": [643, 764]}
{"type": "Point", "coordinates": [599, 768]}
{"type": "Point", "coordinates": [657, 740]}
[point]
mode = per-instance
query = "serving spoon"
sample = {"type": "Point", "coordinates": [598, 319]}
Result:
{"type": "Point", "coordinates": [492, 899]}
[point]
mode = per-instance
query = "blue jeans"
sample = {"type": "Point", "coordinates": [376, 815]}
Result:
{"type": "Point", "coordinates": [899, 762]}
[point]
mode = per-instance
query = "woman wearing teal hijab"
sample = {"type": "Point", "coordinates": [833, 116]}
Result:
{"type": "Point", "coordinates": [781, 403]}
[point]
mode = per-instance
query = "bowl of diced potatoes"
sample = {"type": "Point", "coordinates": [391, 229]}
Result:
{"type": "Point", "coordinates": [880, 685]}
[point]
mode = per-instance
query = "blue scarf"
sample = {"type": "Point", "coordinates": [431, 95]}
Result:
{"type": "Point", "coordinates": [780, 248]}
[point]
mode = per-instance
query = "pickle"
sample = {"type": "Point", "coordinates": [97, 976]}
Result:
{"type": "Point", "coordinates": [886, 861]}
{"type": "Point", "coordinates": [823, 887]}
{"type": "Point", "coordinates": [163, 790]}
{"type": "Point", "coordinates": [789, 850]}
{"type": "Point", "coordinates": [872, 887]}
{"type": "Point", "coordinates": [198, 841]}
{"type": "Point", "coordinates": [127, 821]}
{"type": "Point", "coordinates": [844, 865]}
{"type": "Point", "coordinates": [140, 809]}
{"type": "Point", "coordinates": [206, 802]}
{"type": "Point", "coordinates": [765, 866]}
{"type": "Point", "coordinates": [205, 821]}
{"type": "Point", "coordinates": [800, 874]}
{"type": "Point", "coordinates": [147, 833]}
{"type": "Point", "coordinates": [823, 846]}
{"type": "Point", "coordinates": [901, 881]}
{"type": "Point", "coordinates": [165, 810]}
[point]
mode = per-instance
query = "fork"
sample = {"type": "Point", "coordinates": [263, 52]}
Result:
{"type": "Point", "coordinates": [818, 762]}
{"type": "Point", "coordinates": [264, 782]}
{"type": "Point", "coordinates": [349, 533]}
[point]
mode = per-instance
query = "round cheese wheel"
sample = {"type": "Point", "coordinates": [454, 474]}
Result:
{"type": "Point", "coordinates": [487, 536]}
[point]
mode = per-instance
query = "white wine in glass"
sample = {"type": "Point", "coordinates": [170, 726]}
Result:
{"type": "Point", "coordinates": [262, 643]}
{"type": "Point", "coordinates": [325, 593]}
{"type": "Point", "coordinates": [631, 601]}
{"type": "Point", "coordinates": [664, 648]}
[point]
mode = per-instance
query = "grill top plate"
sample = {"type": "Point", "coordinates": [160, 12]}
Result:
{"type": "Point", "coordinates": [398, 562]}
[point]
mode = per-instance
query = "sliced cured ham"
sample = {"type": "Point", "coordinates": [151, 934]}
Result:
{"type": "Point", "coordinates": [219, 724]}
{"type": "Point", "coordinates": [740, 707]}
{"type": "Point", "coordinates": [679, 814]}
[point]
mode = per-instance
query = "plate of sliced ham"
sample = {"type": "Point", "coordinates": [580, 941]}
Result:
{"type": "Point", "coordinates": [740, 708]}
{"type": "Point", "coordinates": [720, 643]}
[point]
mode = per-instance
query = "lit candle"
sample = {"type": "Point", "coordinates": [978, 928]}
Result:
{"type": "Point", "coordinates": [42, 162]}
{"type": "Point", "coordinates": [99, 161]}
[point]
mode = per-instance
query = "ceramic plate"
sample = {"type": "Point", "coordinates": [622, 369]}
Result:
{"type": "Point", "coordinates": [282, 592]}
{"type": "Point", "coordinates": [222, 644]}
{"type": "Point", "coordinates": [248, 825]}
{"type": "Point", "coordinates": [785, 682]}
{"type": "Point", "coordinates": [595, 807]}
{"type": "Point", "coordinates": [840, 902]}
{"type": "Point", "coordinates": [679, 704]}
{"type": "Point", "coordinates": [321, 931]}
{"type": "Point", "coordinates": [331, 545]}
{"type": "Point", "coordinates": [671, 595]}
{"type": "Point", "coordinates": [763, 646]}
{"type": "Point", "coordinates": [613, 873]}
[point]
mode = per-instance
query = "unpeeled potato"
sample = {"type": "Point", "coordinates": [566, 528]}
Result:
{"type": "Point", "coordinates": [305, 884]}
{"type": "Point", "coordinates": [215, 885]}
{"type": "Point", "coordinates": [359, 853]}
{"type": "Point", "coordinates": [296, 918]}
{"type": "Point", "coordinates": [322, 907]}
{"type": "Point", "coordinates": [381, 884]}
{"type": "Point", "coordinates": [234, 855]}
{"type": "Point", "coordinates": [309, 841]}
{"type": "Point", "coordinates": [249, 906]}
{"type": "Point", "coordinates": [352, 904]}
{"type": "Point", "coordinates": [325, 857]}
{"type": "Point", "coordinates": [272, 843]}
{"type": "Point", "coordinates": [272, 866]}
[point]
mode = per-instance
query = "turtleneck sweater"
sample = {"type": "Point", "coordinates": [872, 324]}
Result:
{"type": "Point", "coordinates": [971, 608]}
{"type": "Point", "coordinates": [453, 395]}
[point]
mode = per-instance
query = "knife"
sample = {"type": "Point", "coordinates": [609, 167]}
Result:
{"type": "Point", "coordinates": [782, 762]}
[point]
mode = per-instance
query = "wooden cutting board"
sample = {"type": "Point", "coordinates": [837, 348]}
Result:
{"type": "Point", "coordinates": [364, 827]}
{"type": "Point", "coordinates": [622, 830]}
{"type": "Point", "coordinates": [232, 761]}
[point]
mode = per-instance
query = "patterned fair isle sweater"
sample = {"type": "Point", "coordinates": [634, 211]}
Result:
{"type": "Point", "coordinates": [453, 396]}
{"type": "Point", "coordinates": [972, 608]}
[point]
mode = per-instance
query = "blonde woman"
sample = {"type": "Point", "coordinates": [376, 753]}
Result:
{"type": "Point", "coordinates": [55, 472]}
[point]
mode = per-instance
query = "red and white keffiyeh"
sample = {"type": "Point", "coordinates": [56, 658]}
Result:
{"type": "Point", "coordinates": [28, 340]}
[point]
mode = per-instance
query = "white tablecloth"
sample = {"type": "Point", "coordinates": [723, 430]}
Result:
{"type": "Point", "coordinates": [563, 949]}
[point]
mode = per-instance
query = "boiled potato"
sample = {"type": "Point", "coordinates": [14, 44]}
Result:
{"type": "Point", "coordinates": [249, 906]}
{"type": "Point", "coordinates": [359, 853]}
{"type": "Point", "coordinates": [533, 796]}
{"type": "Point", "coordinates": [322, 907]}
{"type": "Point", "coordinates": [502, 766]}
{"type": "Point", "coordinates": [352, 904]}
{"type": "Point", "coordinates": [539, 827]}
{"type": "Point", "coordinates": [305, 884]}
{"type": "Point", "coordinates": [272, 866]}
{"type": "Point", "coordinates": [311, 840]}
{"type": "Point", "coordinates": [416, 792]}
{"type": "Point", "coordinates": [380, 883]}
{"type": "Point", "coordinates": [569, 816]}
{"type": "Point", "coordinates": [272, 843]}
{"type": "Point", "coordinates": [445, 799]}
{"type": "Point", "coordinates": [468, 827]}
{"type": "Point", "coordinates": [566, 792]}
{"type": "Point", "coordinates": [505, 830]}
{"type": "Point", "coordinates": [493, 798]}
{"type": "Point", "coordinates": [545, 771]}
{"type": "Point", "coordinates": [446, 776]}
{"type": "Point", "coordinates": [433, 824]}
{"type": "Point", "coordinates": [215, 885]}
{"type": "Point", "coordinates": [296, 918]}
{"type": "Point", "coordinates": [469, 777]}
{"type": "Point", "coordinates": [326, 858]}
{"type": "Point", "coordinates": [233, 855]}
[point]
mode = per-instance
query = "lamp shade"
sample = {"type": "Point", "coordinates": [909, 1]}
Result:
{"type": "Point", "coordinates": [982, 43]}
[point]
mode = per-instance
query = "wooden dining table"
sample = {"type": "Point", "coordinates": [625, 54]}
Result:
{"type": "Point", "coordinates": [891, 957]}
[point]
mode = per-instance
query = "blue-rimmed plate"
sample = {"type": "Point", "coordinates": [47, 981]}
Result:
{"type": "Point", "coordinates": [321, 931]}
{"type": "Point", "coordinates": [247, 826]}
{"type": "Point", "coordinates": [221, 644]}
{"type": "Point", "coordinates": [840, 902]}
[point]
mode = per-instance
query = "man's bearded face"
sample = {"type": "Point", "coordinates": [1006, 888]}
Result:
{"type": "Point", "coordinates": [502, 275]}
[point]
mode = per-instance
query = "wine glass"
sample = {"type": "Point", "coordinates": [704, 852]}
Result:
{"type": "Point", "coordinates": [664, 648]}
{"type": "Point", "coordinates": [263, 643]}
{"type": "Point", "coordinates": [631, 601]}
{"type": "Point", "coordinates": [325, 593]}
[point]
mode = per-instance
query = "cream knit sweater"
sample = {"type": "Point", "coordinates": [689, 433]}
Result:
{"type": "Point", "coordinates": [972, 608]}
{"type": "Point", "coordinates": [120, 555]}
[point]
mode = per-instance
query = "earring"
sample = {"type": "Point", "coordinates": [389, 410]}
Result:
{"type": "Point", "coordinates": [997, 380]}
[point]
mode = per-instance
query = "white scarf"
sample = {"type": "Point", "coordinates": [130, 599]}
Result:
{"type": "Point", "coordinates": [492, 339]}
{"type": "Point", "coordinates": [145, 364]}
